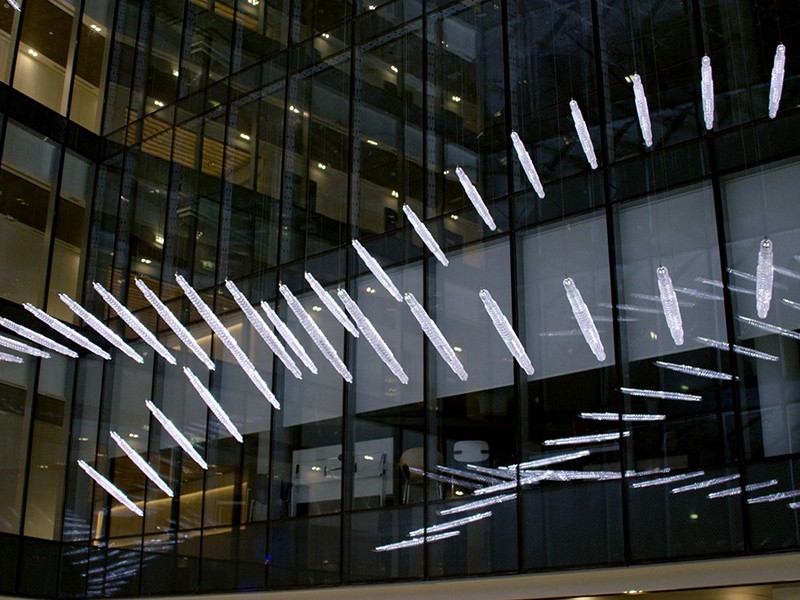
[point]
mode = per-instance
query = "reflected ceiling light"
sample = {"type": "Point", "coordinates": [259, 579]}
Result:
{"type": "Point", "coordinates": [176, 435]}
{"type": "Point", "coordinates": [174, 324]}
{"type": "Point", "coordinates": [110, 488]}
{"type": "Point", "coordinates": [377, 271]}
{"type": "Point", "coordinates": [100, 328]}
{"type": "Point", "coordinates": [245, 137]}
{"type": "Point", "coordinates": [662, 394]}
{"type": "Point", "coordinates": [158, 103]}
{"type": "Point", "coordinates": [372, 142]}
{"type": "Point", "coordinates": [587, 439]}
{"type": "Point", "coordinates": [743, 350]}
{"type": "Point", "coordinates": [669, 302]}
{"type": "Point", "coordinates": [134, 323]}
{"type": "Point", "coordinates": [527, 164]}
{"type": "Point", "coordinates": [6, 357]}
{"type": "Point", "coordinates": [330, 304]}
{"type": "Point", "coordinates": [33, 52]}
{"type": "Point", "coordinates": [394, 69]}
{"type": "Point", "coordinates": [456, 99]}
{"type": "Point", "coordinates": [294, 109]}
{"type": "Point", "coordinates": [700, 485]}
{"type": "Point", "coordinates": [609, 416]}
{"type": "Point", "coordinates": [550, 460]}
{"type": "Point", "coordinates": [141, 463]}
{"type": "Point", "coordinates": [227, 340]}
{"type": "Point", "coordinates": [764, 276]}
{"type": "Point", "coordinates": [313, 330]}
{"type": "Point", "coordinates": [425, 235]}
{"type": "Point", "coordinates": [450, 524]}
{"type": "Point", "coordinates": [262, 329]}
{"type": "Point", "coordinates": [774, 497]}
{"type": "Point", "coordinates": [175, 72]}
{"type": "Point", "coordinates": [433, 333]}
{"type": "Point", "coordinates": [417, 541]}
{"type": "Point", "coordinates": [752, 487]}
{"type": "Point", "coordinates": [67, 332]}
{"type": "Point", "coordinates": [14, 4]}
{"type": "Point", "coordinates": [95, 28]}
{"type": "Point", "coordinates": [665, 480]}
{"type": "Point", "coordinates": [290, 338]}
{"type": "Point", "coordinates": [584, 319]}
{"type": "Point", "coordinates": [477, 504]}
{"type": "Point", "coordinates": [372, 7]}
{"type": "Point", "coordinates": [689, 370]}
{"type": "Point", "coordinates": [37, 337]}
{"type": "Point", "coordinates": [212, 403]}
{"type": "Point", "coordinates": [642, 110]}
{"type": "Point", "coordinates": [707, 91]}
{"type": "Point", "coordinates": [322, 166]}
{"type": "Point", "coordinates": [24, 348]}
{"type": "Point", "coordinates": [506, 332]}
{"type": "Point", "coordinates": [770, 328]}
{"type": "Point", "coordinates": [583, 133]}
{"type": "Point", "coordinates": [475, 198]}
{"type": "Point", "coordinates": [373, 337]}
{"type": "Point", "coordinates": [776, 80]}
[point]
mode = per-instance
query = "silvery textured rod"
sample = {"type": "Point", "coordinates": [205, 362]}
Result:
{"type": "Point", "coordinates": [551, 460]}
{"type": "Point", "coordinates": [6, 357]}
{"type": "Point", "coordinates": [701, 485]}
{"type": "Point", "coordinates": [662, 394]}
{"type": "Point", "coordinates": [262, 329]}
{"type": "Point", "coordinates": [417, 541]}
{"type": "Point", "coordinates": [373, 337]}
{"type": "Point", "coordinates": [450, 524]}
{"type": "Point", "coordinates": [743, 350]}
{"type": "Point", "coordinates": [141, 463]}
{"type": "Point", "coordinates": [290, 338]}
{"type": "Point", "coordinates": [37, 337]}
{"type": "Point", "coordinates": [786, 273]}
{"type": "Point", "coordinates": [475, 198]}
{"type": "Point", "coordinates": [587, 439]}
{"type": "Point", "coordinates": [67, 332]}
{"type": "Point", "coordinates": [707, 91]}
{"type": "Point", "coordinates": [477, 504]}
{"type": "Point", "coordinates": [655, 298]}
{"type": "Point", "coordinates": [212, 403]}
{"type": "Point", "coordinates": [330, 304]}
{"type": "Point", "coordinates": [742, 274]}
{"type": "Point", "coordinates": [447, 480]}
{"type": "Point", "coordinates": [110, 488]}
{"type": "Point", "coordinates": [633, 308]}
{"type": "Point", "coordinates": [770, 328]}
{"type": "Point", "coordinates": [315, 333]}
{"type": "Point", "coordinates": [564, 475]}
{"type": "Point", "coordinates": [377, 271]}
{"type": "Point", "coordinates": [689, 370]}
{"type": "Point", "coordinates": [176, 435]}
{"type": "Point", "coordinates": [584, 319]}
{"type": "Point", "coordinates": [497, 474]}
{"type": "Point", "coordinates": [583, 133]}
{"type": "Point", "coordinates": [630, 474]}
{"type": "Point", "coordinates": [642, 110]}
{"type": "Point", "coordinates": [609, 416]}
{"type": "Point", "coordinates": [474, 476]}
{"type": "Point", "coordinates": [507, 485]}
{"type": "Point", "coordinates": [791, 303]}
{"type": "Point", "coordinates": [174, 324]}
{"type": "Point", "coordinates": [527, 164]}
{"type": "Point", "coordinates": [669, 302]}
{"type": "Point", "coordinates": [15, 4]}
{"type": "Point", "coordinates": [764, 276]}
{"type": "Point", "coordinates": [776, 80]}
{"type": "Point", "coordinates": [425, 235]}
{"type": "Point", "coordinates": [774, 497]}
{"type": "Point", "coordinates": [752, 487]}
{"type": "Point", "coordinates": [718, 284]}
{"type": "Point", "coordinates": [698, 294]}
{"type": "Point", "coordinates": [100, 328]}
{"type": "Point", "coordinates": [665, 480]}
{"type": "Point", "coordinates": [506, 332]}
{"type": "Point", "coordinates": [227, 340]}
{"type": "Point", "coordinates": [433, 333]}
{"type": "Point", "coordinates": [24, 348]}
{"type": "Point", "coordinates": [134, 323]}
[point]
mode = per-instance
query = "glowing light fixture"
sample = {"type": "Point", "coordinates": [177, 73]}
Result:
{"type": "Point", "coordinates": [665, 480]}
{"type": "Point", "coordinates": [506, 332]}
{"type": "Point", "coordinates": [263, 330]}
{"type": "Point", "coordinates": [67, 332]}
{"type": "Point", "coordinates": [141, 463]}
{"type": "Point", "coordinates": [587, 439]}
{"type": "Point", "coordinates": [290, 338]}
{"type": "Point", "coordinates": [377, 271]}
{"type": "Point", "coordinates": [583, 133]}
{"type": "Point", "coordinates": [100, 328]}
{"type": "Point", "coordinates": [776, 80]}
{"type": "Point", "coordinates": [700, 485]}
{"type": "Point", "coordinates": [475, 198]}
{"type": "Point", "coordinates": [527, 164]}
{"type": "Point", "coordinates": [707, 91]}
{"type": "Point", "coordinates": [669, 302]}
{"type": "Point", "coordinates": [373, 337]}
{"type": "Point", "coordinates": [478, 504]}
{"type": "Point", "coordinates": [174, 324]}
{"type": "Point", "coordinates": [315, 333]}
{"type": "Point", "coordinates": [450, 524]}
{"type": "Point", "coordinates": [110, 488]}
{"type": "Point", "coordinates": [642, 110]}
{"type": "Point", "coordinates": [584, 319]}
{"type": "Point", "coordinates": [37, 338]}
{"type": "Point", "coordinates": [689, 370]}
{"type": "Point", "coordinates": [743, 350]}
{"type": "Point", "coordinates": [433, 333]}
{"type": "Point", "coordinates": [764, 276]}
{"type": "Point", "coordinates": [770, 328]}
{"type": "Point", "coordinates": [662, 394]}
{"type": "Point", "coordinates": [425, 235]}
{"type": "Point", "coordinates": [609, 416]}
{"type": "Point", "coordinates": [24, 348]}
{"type": "Point", "coordinates": [6, 357]}
{"type": "Point", "coordinates": [331, 305]}
{"type": "Point", "coordinates": [417, 541]}
{"type": "Point", "coordinates": [212, 403]}
{"type": "Point", "coordinates": [175, 434]}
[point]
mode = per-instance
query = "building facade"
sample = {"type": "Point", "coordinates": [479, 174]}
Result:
{"type": "Point", "coordinates": [261, 148]}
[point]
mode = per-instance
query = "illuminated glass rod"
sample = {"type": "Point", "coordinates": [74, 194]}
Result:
{"type": "Point", "coordinates": [506, 332]}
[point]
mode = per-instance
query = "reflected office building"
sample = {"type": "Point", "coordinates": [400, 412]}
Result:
{"type": "Point", "coordinates": [422, 297]}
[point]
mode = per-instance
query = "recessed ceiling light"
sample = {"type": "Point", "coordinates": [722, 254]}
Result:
{"type": "Point", "coordinates": [32, 52]}
{"type": "Point", "coordinates": [158, 103]}
{"type": "Point", "coordinates": [244, 136]}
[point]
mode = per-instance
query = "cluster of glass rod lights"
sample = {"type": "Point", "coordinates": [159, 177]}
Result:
{"type": "Point", "coordinates": [489, 480]}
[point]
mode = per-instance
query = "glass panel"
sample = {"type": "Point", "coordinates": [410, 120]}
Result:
{"type": "Point", "coordinates": [303, 552]}
{"type": "Point", "coordinates": [120, 73]}
{"type": "Point", "coordinates": [91, 64]}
